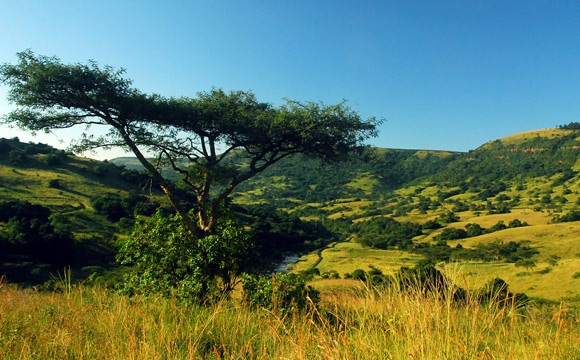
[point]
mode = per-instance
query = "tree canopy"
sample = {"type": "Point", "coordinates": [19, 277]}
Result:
{"type": "Point", "coordinates": [197, 136]}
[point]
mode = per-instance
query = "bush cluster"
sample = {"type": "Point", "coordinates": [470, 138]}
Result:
{"type": "Point", "coordinates": [281, 293]}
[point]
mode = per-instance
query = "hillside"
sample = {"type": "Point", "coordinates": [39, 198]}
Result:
{"type": "Point", "coordinates": [529, 178]}
{"type": "Point", "coordinates": [66, 189]}
{"type": "Point", "coordinates": [517, 195]}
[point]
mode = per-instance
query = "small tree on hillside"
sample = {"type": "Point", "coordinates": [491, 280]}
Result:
{"type": "Point", "coordinates": [526, 263]}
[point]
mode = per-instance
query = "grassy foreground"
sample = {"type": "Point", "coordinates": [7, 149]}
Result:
{"type": "Point", "coordinates": [94, 323]}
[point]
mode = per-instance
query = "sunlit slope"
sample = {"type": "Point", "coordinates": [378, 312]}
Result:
{"type": "Point", "coordinates": [77, 179]}
{"type": "Point", "coordinates": [66, 184]}
{"type": "Point", "coordinates": [530, 177]}
{"type": "Point", "coordinates": [525, 138]}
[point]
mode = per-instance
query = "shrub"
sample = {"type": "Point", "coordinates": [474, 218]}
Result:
{"type": "Point", "coordinates": [54, 184]}
{"type": "Point", "coordinates": [283, 293]}
{"type": "Point", "coordinates": [448, 217]}
{"type": "Point", "coordinates": [167, 259]}
{"type": "Point", "coordinates": [18, 157]}
{"type": "Point", "coordinates": [573, 215]}
{"type": "Point", "coordinates": [497, 291]}
{"type": "Point", "coordinates": [452, 234]}
{"type": "Point", "coordinates": [56, 157]}
{"type": "Point", "coordinates": [431, 225]}
{"type": "Point", "coordinates": [359, 274]}
{"type": "Point", "coordinates": [110, 206]}
{"type": "Point", "coordinates": [310, 273]}
{"type": "Point", "coordinates": [332, 274]}
{"type": "Point", "coordinates": [517, 223]}
{"type": "Point", "coordinates": [428, 278]}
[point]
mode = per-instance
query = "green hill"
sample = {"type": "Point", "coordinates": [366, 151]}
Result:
{"type": "Point", "coordinates": [403, 208]}
{"type": "Point", "coordinates": [68, 188]}
{"type": "Point", "coordinates": [530, 178]}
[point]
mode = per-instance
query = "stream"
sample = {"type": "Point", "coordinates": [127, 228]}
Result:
{"type": "Point", "coordinates": [289, 259]}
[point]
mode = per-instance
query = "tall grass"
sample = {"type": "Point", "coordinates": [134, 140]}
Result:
{"type": "Point", "coordinates": [94, 323]}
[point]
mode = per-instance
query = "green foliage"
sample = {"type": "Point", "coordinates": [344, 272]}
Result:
{"type": "Point", "coordinates": [497, 292]}
{"type": "Point", "coordinates": [474, 230]}
{"type": "Point", "coordinates": [55, 158]}
{"type": "Point", "coordinates": [18, 158]}
{"type": "Point", "coordinates": [526, 263]}
{"type": "Point", "coordinates": [429, 279]}
{"type": "Point", "coordinates": [52, 95]}
{"type": "Point", "coordinates": [495, 251]}
{"type": "Point", "coordinates": [451, 234]}
{"type": "Point", "coordinates": [359, 274]}
{"type": "Point", "coordinates": [448, 218]}
{"type": "Point", "coordinates": [115, 208]}
{"type": "Point", "coordinates": [384, 233]}
{"type": "Point", "coordinates": [283, 293]}
{"type": "Point", "coordinates": [277, 232]}
{"type": "Point", "coordinates": [110, 206]}
{"type": "Point", "coordinates": [431, 225]}
{"type": "Point", "coordinates": [570, 126]}
{"type": "Point", "coordinates": [515, 223]}
{"type": "Point", "coordinates": [332, 274]}
{"type": "Point", "coordinates": [54, 184]}
{"type": "Point", "coordinates": [167, 259]}
{"type": "Point", "coordinates": [573, 215]}
{"type": "Point", "coordinates": [30, 241]}
{"type": "Point", "coordinates": [309, 273]}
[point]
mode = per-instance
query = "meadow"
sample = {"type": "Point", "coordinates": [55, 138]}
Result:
{"type": "Point", "coordinates": [352, 322]}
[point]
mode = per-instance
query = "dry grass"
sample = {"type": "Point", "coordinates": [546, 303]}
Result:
{"type": "Point", "coordinates": [361, 323]}
{"type": "Point", "coordinates": [520, 138]}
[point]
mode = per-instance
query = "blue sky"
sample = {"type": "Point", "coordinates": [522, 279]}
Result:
{"type": "Point", "coordinates": [446, 75]}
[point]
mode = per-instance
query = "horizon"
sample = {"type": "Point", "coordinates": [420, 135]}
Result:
{"type": "Point", "coordinates": [447, 76]}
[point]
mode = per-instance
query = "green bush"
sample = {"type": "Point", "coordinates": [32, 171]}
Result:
{"type": "Point", "coordinates": [283, 293]}
{"type": "Point", "coordinates": [359, 274]}
{"type": "Point", "coordinates": [168, 260]}
{"type": "Point", "coordinates": [452, 234]}
{"type": "Point", "coordinates": [111, 206]}
{"type": "Point", "coordinates": [54, 184]}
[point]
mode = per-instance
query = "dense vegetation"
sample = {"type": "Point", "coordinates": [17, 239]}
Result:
{"type": "Point", "coordinates": [311, 192]}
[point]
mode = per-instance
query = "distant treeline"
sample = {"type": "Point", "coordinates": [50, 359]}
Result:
{"type": "Point", "coordinates": [570, 126]}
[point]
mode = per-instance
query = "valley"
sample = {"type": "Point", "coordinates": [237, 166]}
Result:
{"type": "Point", "coordinates": [401, 209]}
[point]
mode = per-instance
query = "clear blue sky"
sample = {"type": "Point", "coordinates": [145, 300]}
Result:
{"type": "Point", "coordinates": [447, 75]}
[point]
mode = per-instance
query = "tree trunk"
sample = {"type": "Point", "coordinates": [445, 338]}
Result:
{"type": "Point", "coordinates": [187, 220]}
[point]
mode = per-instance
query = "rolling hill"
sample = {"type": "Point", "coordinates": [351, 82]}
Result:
{"type": "Point", "coordinates": [67, 188]}
{"type": "Point", "coordinates": [530, 177]}
{"type": "Point", "coordinates": [404, 207]}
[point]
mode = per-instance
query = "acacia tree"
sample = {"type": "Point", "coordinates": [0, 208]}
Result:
{"type": "Point", "coordinates": [196, 136]}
